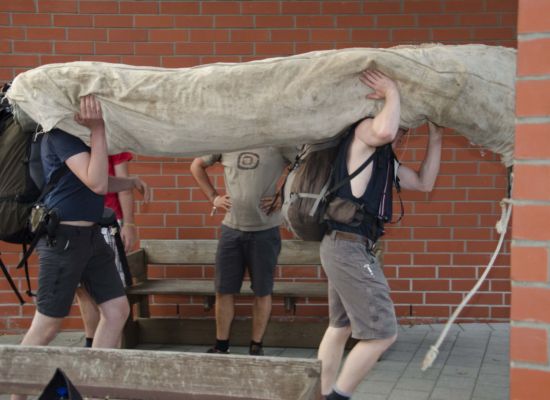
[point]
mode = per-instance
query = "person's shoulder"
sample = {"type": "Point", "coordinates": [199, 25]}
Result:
{"type": "Point", "coordinates": [57, 135]}
{"type": "Point", "coordinates": [210, 159]}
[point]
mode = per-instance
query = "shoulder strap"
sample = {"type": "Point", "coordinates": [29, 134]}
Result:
{"type": "Point", "coordinates": [396, 165]}
{"type": "Point", "coordinates": [56, 177]}
{"type": "Point", "coordinates": [353, 174]}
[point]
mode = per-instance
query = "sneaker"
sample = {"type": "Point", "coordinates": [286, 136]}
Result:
{"type": "Point", "coordinates": [215, 350]}
{"type": "Point", "coordinates": [256, 350]}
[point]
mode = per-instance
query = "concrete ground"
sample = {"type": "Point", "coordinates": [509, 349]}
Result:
{"type": "Point", "coordinates": [473, 363]}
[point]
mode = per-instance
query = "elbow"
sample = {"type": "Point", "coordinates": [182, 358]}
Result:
{"type": "Point", "coordinates": [426, 187]}
{"type": "Point", "coordinates": [100, 189]}
{"type": "Point", "coordinates": [386, 135]}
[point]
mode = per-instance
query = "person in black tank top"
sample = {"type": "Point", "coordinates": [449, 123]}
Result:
{"type": "Point", "coordinates": [359, 295]}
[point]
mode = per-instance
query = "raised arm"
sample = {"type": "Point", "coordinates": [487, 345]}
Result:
{"type": "Point", "coordinates": [424, 179]}
{"type": "Point", "coordinates": [91, 168]}
{"type": "Point", "coordinates": [383, 127]}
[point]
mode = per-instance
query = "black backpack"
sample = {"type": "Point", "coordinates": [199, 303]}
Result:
{"type": "Point", "coordinates": [309, 191]}
{"type": "Point", "coordinates": [21, 185]}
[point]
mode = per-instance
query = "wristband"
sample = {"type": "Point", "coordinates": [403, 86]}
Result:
{"type": "Point", "coordinates": [128, 224]}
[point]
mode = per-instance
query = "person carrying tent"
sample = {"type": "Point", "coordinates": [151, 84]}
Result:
{"type": "Point", "coordinates": [359, 295]}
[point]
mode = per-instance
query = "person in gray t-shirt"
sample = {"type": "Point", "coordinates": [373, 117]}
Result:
{"type": "Point", "coordinates": [250, 239]}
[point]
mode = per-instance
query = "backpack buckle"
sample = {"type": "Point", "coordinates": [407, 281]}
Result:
{"type": "Point", "coordinates": [38, 216]}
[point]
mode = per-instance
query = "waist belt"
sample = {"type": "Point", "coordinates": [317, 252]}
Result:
{"type": "Point", "coordinates": [352, 237]}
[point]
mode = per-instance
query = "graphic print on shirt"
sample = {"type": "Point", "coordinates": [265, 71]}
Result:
{"type": "Point", "coordinates": [248, 160]}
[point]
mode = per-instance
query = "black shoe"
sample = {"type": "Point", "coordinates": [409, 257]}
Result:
{"type": "Point", "coordinates": [215, 350]}
{"type": "Point", "coordinates": [256, 350]}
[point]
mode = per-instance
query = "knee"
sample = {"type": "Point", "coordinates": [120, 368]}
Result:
{"type": "Point", "coordinates": [49, 333]}
{"type": "Point", "coordinates": [389, 341]}
{"type": "Point", "coordinates": [341, 334]}
{"type": "Point", "coordinates": [116, 310]}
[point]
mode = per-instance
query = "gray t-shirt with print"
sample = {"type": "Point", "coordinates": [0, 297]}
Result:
{"type": "Point", "coordinates": [249, 176]}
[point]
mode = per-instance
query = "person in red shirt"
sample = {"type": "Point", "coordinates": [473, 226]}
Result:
{"type": "Point", "coordinates": [123, 205]}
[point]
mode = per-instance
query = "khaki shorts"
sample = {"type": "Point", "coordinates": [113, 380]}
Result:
{"type": "Point", "coordinates": [358, 292]}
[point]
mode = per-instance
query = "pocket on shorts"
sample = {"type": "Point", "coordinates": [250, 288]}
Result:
{"type": "Point", "coordinates": [61, 244]}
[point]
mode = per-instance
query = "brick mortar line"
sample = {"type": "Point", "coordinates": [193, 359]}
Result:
{"type": "Point", "coordinates": [533, 285]}
{"type": "Point", "coordinates": [529, 366]}
{"type": "Point", "coordinates": [533, 36]}
{"type": "Point", "coordinates": [527, 78]}
{"type": "Point", "coordinates": [529, 324]}
{"type": "Point", "coordinates": [520, 202]}
{"type": "Point", "coordinates": [529, 243]}
{"type": "Point", "coordinates": [532, 120]}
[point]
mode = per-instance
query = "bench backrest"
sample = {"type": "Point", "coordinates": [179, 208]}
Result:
{"type": "Point", "coordinates": [293, 252]}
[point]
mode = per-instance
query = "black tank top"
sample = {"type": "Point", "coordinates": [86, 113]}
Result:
{"type": "Point", "coordinates": [377, 198]}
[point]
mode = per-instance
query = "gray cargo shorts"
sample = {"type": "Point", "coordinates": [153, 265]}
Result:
{"type": "Point", "coordinates": [358, 291]}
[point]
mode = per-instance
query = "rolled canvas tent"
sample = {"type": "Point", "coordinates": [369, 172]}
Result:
{"type": "Point", "coordinates": [279, 101]}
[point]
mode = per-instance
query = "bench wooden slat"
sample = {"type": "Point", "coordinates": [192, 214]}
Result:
{"type": "Point", "coordinates": [206, 288]}
{"type": "Point", "coordinates": [142, 374]}
{"type": "Point", "coordinates": [293, 252]}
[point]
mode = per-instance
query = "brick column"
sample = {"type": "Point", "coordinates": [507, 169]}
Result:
{"type": "Point", "coordinates": [530, 361]}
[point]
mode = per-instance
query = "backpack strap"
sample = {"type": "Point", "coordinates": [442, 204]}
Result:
{"type": "Point", "coordinates": [396, 165]}
{"type": "Point", "coordinates": [353, 174]}
{"type": "Point", "coordinates": [122, 254]}
{"type": "Point", "coordinates": [56, 177]}
{"type": "Point", "coordinates": [41, 229]}
{"type": "Point", "coordinates": [109, 221]}
{"type": "Point", "coordinates": [29, 291]}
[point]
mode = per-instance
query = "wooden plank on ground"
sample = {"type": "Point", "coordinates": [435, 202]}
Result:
{"type": "Point", "coordinates": [293, 252]}
{"type": "Point", "coordinates": [204, 287]}
{"type": "Point", "coordinates": [125, 374]}
{"type": "Point", "coordinates": [192, 331]}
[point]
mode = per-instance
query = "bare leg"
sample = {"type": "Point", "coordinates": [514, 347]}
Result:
{"type": "Point", "coordinates": [261, 310]}
{"type": "Point", "coordinates": [113, 316]}
{"type": "Point", "coordinates": [89, 311]}
{"type": "Point", "coordinates": [330, 353]}
{"type": "Point", "coordinates": [225, 310]}
{"type": "Point", "coordinates": [360, 361]}
{"type": "Point", "coordinates": [42, 331]}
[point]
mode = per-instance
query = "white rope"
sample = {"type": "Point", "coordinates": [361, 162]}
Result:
{"type": "Point", "coordinates": [501, 228]}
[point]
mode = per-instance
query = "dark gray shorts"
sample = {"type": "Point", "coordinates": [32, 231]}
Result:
{"type": "Point", "coordinates": [239, 251]}
{"type": "Point", "coordinates": [358, 292]}
{"type": "Point", "coordinates": [81, 255]}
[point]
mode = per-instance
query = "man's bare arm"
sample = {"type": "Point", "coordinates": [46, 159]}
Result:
{"type": "Point", "coordinates": [383, 127]}
{"type": "Point", "coordinates": [424, 179]}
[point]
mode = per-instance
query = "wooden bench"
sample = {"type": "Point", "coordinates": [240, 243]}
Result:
{"type": "Point", "coordinates": [290, 332]}
{"type": "Point", "coordinates": [142, 374]}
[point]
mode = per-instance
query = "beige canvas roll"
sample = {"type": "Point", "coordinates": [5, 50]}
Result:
{"type": "Point", "coordinates": [279, 101]}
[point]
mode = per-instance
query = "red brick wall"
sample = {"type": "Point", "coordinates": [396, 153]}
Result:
{"type": "Point", "coordinates": [530, 334]}
{"type": "Point", "coordinates": [433, 257]}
